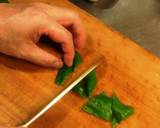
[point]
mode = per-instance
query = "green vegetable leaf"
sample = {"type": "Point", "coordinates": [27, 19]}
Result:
{"type": "Point", "coordinates": [80, 89]}
{"type": "Point", "coordinates": [65, 71]}
{"type": "Point", "coordinates": [63, 74]}
{"type": "Point", "coordinates": [87, 85]}
{"type": "Point", "coordinates": [114, 122]}
{"type": "Point", "coordinates": [77, 60]}
{"type": "Point", "coordinates": [91, 82]}
{"type": "Point", "coordinates": [99, 106]}
{"type": "Point", "coordinates": [120, 110]}
{"type": "Point", "coordinates": [108, 108]}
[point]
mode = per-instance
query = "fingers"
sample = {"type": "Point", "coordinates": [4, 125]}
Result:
{"type": "Point", "coordinates": [60, 35]}
{"type": "Point", "coordinates": [65, 27]}
{"type": "Point", "coordinates": [72, 21]}
{"type": "Point", "coordinates": [38, 56]}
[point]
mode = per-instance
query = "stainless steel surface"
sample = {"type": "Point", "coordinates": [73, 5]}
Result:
{"type": "Point", "coordinates": [64, 92]}
{"type": "Point", "coordinates": [137, 19]}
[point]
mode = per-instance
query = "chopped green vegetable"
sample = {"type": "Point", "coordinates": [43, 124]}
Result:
{"type": "Point", "coordinates": [91, 82]}
{"type": "Point", "coordinates": [110, 109]}
{"type": "Point", "coordinates": [4, 1]}
{"type": "Point", "coordinates": [120, 110]}
{"type": "Point", "coordinates": [80, 89]}
{"type": "Point", "coordinates": [102, 106]}
{"type": "Point", "coordinates": [65, 71]}
{"type": "Point", "coordinates": [114, 122]}
{"type": "Point", "coordinates": [77, 60]}
{"type": "Point", "coordinates": [87, 85]}
{"type": "Point", "coordinates": [99, 106]}
{"type": "Point", "coordinates": [63, 74]}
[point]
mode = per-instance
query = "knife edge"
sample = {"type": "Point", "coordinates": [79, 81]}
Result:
{"type": "Point", "coordinates": [70, 86]}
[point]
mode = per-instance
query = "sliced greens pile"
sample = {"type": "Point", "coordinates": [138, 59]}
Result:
{"type": "Point", "coordinates": [108, 108]}
{"type": "Point", "coordinates": [87, 85]}
{"type": "Point", "coordinates": [99, 106]}
{"type": "Point", "coordinates": [83, 88]}
{"type": "Point", "coordinates": [120, 110]}
{"type": "Point", "coordinates": [63, 74]}
{"type": "Point", "coordinates": [65, 71]}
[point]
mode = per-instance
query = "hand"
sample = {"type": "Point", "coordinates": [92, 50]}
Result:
{"type": "Point", "coordinates": [21, 26]}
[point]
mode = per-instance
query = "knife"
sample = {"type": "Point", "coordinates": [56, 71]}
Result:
{"type": "Point", "coordinates": [61, 94]}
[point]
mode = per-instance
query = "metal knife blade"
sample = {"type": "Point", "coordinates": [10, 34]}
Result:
{"type": "Point", "coordinates": [60, 95]}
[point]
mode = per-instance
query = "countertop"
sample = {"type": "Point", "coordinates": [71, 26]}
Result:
{"type": "Point", "coordinates": [137, 19]}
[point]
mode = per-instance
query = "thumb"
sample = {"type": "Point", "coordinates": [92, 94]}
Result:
{"type": "Point", "coordinates": [41, 57]}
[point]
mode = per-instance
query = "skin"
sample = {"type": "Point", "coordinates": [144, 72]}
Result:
{"type": "Point", "coordinates": [22, 25]}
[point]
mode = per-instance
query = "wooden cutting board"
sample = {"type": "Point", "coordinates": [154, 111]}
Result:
{"type": "Point", "coordinates": [129, 71]}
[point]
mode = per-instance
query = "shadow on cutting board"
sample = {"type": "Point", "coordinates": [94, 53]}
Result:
{"type": "Point", "coordinates": [22, 65]}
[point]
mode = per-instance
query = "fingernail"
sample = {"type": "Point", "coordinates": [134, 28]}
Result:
{"type": "Point", "coordinates": [70, 63]}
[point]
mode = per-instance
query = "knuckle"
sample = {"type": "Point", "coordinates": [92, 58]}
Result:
{"type": "Point", "coordinates": [39, 4]}
{"type": "Point", "coordinates": [48, 61]}
{"type": "Point", "coordinates": [36, 9]}
{"type": "Point", "coordinates": [68, 35]}
{"type": "Point", "coordinates": [23, 53]}
{"type": "Point", "coordinates": [38, 13]}
{"type": "Point", "coordinates": [71, 13]}
{"type": "Point", "coordinates": [74, 15]}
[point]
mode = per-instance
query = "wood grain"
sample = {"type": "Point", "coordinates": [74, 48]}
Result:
{"type": "Point", "coordinates": [129, 70]}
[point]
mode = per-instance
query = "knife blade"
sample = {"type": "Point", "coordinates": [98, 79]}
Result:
{"type": "Point", "coordinates": [61, 94]}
